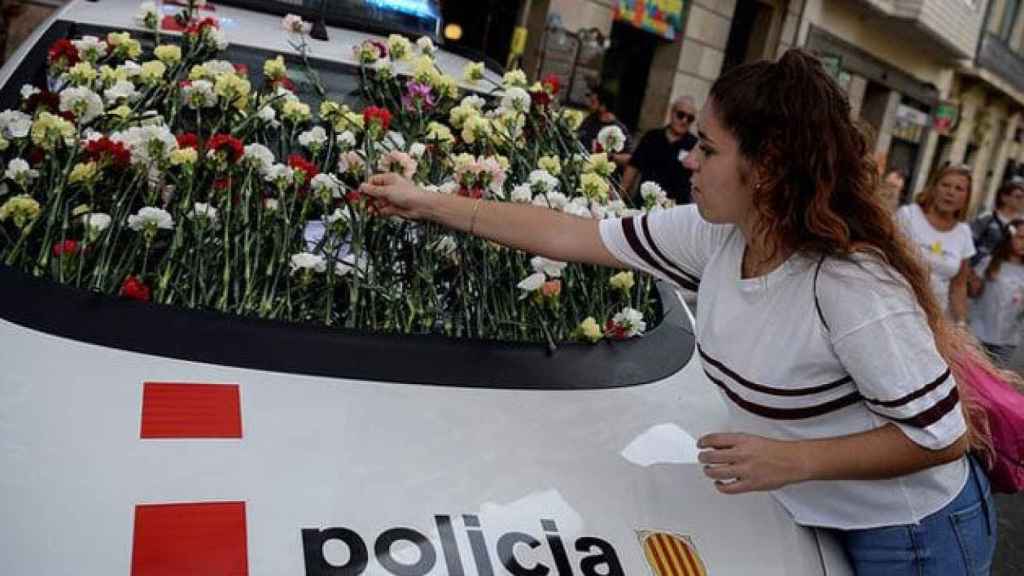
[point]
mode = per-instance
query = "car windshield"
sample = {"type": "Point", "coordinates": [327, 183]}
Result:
{"type": "Point", "coordinates": [410, 17]}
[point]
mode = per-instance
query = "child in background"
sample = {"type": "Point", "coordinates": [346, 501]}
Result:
{"type": "Point", "coordinates": [997, 288]}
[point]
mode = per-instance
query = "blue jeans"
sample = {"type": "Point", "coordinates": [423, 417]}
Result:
{"type": "Point", "coordinates": [959, 539]}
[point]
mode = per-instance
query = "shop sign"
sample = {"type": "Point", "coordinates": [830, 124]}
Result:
{"type": "Point", "coordinates": [945, 117]}
{"type": "Point", "coordinates": [661, 17]}
{"type": "Point", "coordinates": [910, 123]}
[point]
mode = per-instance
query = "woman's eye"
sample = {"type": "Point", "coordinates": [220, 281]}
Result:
{"type": "Point", "coordinates": [707, 150]}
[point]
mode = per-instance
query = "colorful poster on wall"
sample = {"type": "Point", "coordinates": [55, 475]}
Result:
{"type": "Point", "coordinates": [661, 17]}
{"type": "Point", "coordinates": [945, 117]}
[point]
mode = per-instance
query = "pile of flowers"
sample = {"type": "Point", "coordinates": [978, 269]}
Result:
{"type": "Point", "coordinates": [173, 176]}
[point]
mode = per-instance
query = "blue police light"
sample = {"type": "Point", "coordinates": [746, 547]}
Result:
{"type": "Point", "coordinates": [421, 8]}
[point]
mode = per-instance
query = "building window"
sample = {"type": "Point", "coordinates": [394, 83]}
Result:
{"type": "Point", "coordinates": [1008, 20]}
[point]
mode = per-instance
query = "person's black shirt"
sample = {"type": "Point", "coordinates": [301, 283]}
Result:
{"type": "Point", "coordinates": [657, 160]}
{"type": "Point", "coordinates": [592, 126]}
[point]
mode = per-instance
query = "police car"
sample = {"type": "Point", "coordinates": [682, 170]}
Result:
{"type": "Point", "coordinates": [148, 440]}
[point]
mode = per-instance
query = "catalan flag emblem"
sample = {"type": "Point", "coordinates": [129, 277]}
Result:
{"type": "Point", "coordinates": [671, 554]}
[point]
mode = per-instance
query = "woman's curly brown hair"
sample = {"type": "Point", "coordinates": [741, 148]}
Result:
{"type": "Point", "coordinates": [817, 188]}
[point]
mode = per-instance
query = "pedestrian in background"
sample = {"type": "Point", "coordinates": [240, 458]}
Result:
{"type": "Point", "coordinates": [989, 230]}
{"type": "Point", "coordinates": [935, 223]}
{"type": "Point", "coordinates": [659, 155]}
{"type": "Point", "coordinates": [600, 117]}
{"type": "Point", "coordinates": [998, 292]}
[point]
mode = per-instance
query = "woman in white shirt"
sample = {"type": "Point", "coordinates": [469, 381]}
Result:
{"type": "Point", "coordinates": [997, 313]}
{"type": "Point", "coordinates": [936, 224]}
{"type": "Point", "coordinates": [816, 321]}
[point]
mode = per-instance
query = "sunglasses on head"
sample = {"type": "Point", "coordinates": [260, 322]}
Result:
{"type": "Point", "coordinates": [681, 115]}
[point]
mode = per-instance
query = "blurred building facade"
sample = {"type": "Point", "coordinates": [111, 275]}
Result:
{"type": "Point", "coordinates": [935, 80]}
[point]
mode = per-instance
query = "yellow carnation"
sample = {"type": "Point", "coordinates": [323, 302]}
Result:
{"type": "Point", "coordinates": [622, 281]}
{"type": "Point", "coordinates": [169, 54]}
{"type": "Point", "coordinates": [589, 330]}
{"type": "Point", "coordinates": [275, 69]}
{"type": "Point", "coordinates": [82, 172]}
{"type": "Point", "coordinates": [152, 71]}
{"type": "Point", "coordinates": [551, 164]}
{"type": "Point", "coordinates": [182, 156]}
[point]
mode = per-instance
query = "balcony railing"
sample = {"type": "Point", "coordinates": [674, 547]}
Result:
{"type": "Point", "coordinates": [997, 57]}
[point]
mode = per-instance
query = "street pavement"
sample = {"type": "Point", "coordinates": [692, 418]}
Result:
{"type": "Point", "coordinates": [1009, 559]}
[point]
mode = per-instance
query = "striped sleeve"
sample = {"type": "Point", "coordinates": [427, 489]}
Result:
{"type": "Point", "coordinates": [673, 244]}
{"type": "Point", "coordinates": [883, 340]}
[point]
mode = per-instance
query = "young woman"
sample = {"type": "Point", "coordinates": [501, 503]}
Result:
{"type": "Point", "coordinates": [998, 290]}
{"type": "Point", "coordinates": [850, 417]}
{"type": "Point", "coordinates": [935, 223]}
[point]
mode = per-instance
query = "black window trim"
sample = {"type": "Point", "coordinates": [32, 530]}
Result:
{"type": "Point", "coordinates": [212, 337]}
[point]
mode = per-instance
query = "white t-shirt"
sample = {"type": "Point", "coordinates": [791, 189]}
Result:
{"type": "Point", "coordinates": [785, 376]}
{"type": "Point", "coordinates": [943, 251]}
{"type": "Point", "coordinates": [996, 314]}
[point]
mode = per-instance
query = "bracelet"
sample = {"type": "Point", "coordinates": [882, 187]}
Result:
{"type": "Point", "coordinates": [472, 220]}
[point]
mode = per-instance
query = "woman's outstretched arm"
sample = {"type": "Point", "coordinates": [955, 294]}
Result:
{"type": "Point", "coordinates": [533, 229]}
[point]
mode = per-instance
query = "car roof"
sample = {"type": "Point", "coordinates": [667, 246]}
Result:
{"type": "Point", "coordinates": [258, 30]}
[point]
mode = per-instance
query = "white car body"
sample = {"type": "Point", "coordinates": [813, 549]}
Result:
{"type": "Point", "coordinates": [566, 472]}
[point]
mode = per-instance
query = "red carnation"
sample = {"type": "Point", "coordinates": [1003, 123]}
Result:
{"type": "Point", "coordinates": [197, 26]}
{"type": "Point", "coordinates": [540, 98]}
{"type": "Point", "coordinates": [106, 149]}
{"type": "Point", "coordinates": [615, 331]}
{"type": "Point", "coordinates": [189, 140]}
{"type": "Point", "coordinates": [64, 50]}
{"type": "Point", "coordinates": [552, 84]}
{"type": "Point", "coordinates": [241, 69]}
{"type": "Point", "coordinates": [283, 82]}
{"type": "Point", "coordinates": [378, 115]}
{"type": "Point", "coordinates": [48, 101]}
{"type": "Point", "coordinates": [229, 145]}
{"type": "Point", "coordinates": [382, 48]}
{"type": "Point", "coordinates": [134, 289]}
{"type": "Point", "coordinates": [297, 162]}
{"type": "Point", "coordinates": [66, 247]}
{"type": "Point", "coordinates": [474, 192]}
{"type": "Point", "coordinates": [36, 155]}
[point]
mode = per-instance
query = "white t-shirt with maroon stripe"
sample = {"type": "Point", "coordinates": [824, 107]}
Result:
{"type": "Point", "coordinates": [785, 375]}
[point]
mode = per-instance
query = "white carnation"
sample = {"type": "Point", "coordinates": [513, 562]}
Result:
{"type": "Point", "coordinates": [307, 261]}
{"type": "Point", "coordinates": [346, 140]}
{"type": "Point", "coordinates": [14, 124]}
{"type": "Point", "coordinates": [326, 184]}
{"type": "Point", "coordinates": [532, 282]}
{"type": "Point", "coordinates": [611, 139]}
{"type": "Point", "coordinates": [122, 89]}
{"type": "Point", "coordinates": [259, 156]}
{"type": "Point", "coordinates": [147, 143]}
{"type": "Point", "coordinates": [90, 47]}
{"type": "Point", "coordinates": [551, 268]}
{"type": "Point", "coordinates": [83, 102]}
{"type": "Point", "coordinates": [203, 211]}
{"type": "Point", "coordinates": [517, 99]}
{"type": "Point", "coordinates": [542, 182]}
{"type": "Point", "coordinates": [316, 136]}
{"type": "Point", "coordinates": [20, 171]}
{"type": "Point", "coordinates": [632, 321]}
{"type": "Point", "coordinates": [151, 218]}
{"type": "Point", "coordinates": [522, 194]}
{"type": "Point", "coordinates": [473, 101]}
{"type": "Point", "coordinates": [28, 90]}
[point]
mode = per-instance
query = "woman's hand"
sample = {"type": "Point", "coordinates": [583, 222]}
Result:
{"type": "Point", "coordinates": [397, 196]}
{"type": "Point", "coordinates": [746, 463]}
